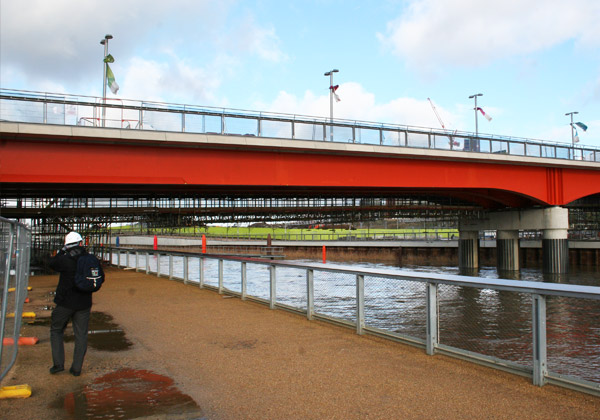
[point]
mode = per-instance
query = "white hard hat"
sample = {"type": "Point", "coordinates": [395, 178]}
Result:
{"type": "Point", "coordinates": [73, 238]}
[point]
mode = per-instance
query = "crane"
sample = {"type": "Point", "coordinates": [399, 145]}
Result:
{"type": "Point", "coordinates": [452, 141]}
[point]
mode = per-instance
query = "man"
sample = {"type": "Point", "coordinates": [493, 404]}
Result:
{"type": "Point", "coordinates": [71, 305]}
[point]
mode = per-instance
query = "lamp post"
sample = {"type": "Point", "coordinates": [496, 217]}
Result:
{"type": "Point", "coordinates": [475, 97]}
{"type": "Point", "coordinates": [572, 128]}
{"type": "Point", "coordinates": [105, 43]}
{"type": "Point", "coordinates": [330, 74]}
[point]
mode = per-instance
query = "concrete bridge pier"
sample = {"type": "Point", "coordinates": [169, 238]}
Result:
{"type": "Point", "coordinates": [552, 221]}
{"type": "Point", "coordinates": [468, 249]}
{"type": "Point", "coordinates": [507, 250]}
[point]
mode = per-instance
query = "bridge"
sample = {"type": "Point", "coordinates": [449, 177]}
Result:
{"type": "Point", "coordinates": [57, 146]}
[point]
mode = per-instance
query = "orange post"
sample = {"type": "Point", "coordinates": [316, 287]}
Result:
{"type": "Point", "coordinates": [204, 244]}
{"type": "Point", "coordinates": [324, 254]}
{"type": "Point", "coordinates": [23, 341]}
{"type": "Point", "coordinates": [155, 243]}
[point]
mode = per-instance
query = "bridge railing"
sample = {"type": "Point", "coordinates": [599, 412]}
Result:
{"type": "Point", "coordinates": [545, 331]}
{"type": "Point", "coordinates": [49, 108]}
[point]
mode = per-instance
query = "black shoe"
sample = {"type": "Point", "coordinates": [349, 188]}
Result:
{"type": "Point", "coordinates": [74, 372]}
{"type": "Point", "coordinates": [55, 369]}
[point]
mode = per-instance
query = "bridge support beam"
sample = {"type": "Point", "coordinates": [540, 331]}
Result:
{"type": "Point", "coordinates": [468, 249]}
{"type": "Point", "coordinates": [507, 250]}
{"type": "Point", "coordinates": [552, 221]}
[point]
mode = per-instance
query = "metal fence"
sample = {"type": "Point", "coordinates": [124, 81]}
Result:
{"type": "Point", "coordinates": [63, 109]}
{"type": "Point", "coordinates": [15, 248]}
{"type": "Point", "coordinates": [545, 331]}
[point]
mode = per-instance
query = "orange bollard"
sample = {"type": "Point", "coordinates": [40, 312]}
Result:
{"type": "Point", "coordinates": [26, 300]}
{"type": "Point", "coordinates": [324, 255]}
{"type": "Point", "coordinates": [23, 341]}
{"type": "Point", "coordinates": [204, 244]}
{"type": "Point", "coordinates": [155, 243]}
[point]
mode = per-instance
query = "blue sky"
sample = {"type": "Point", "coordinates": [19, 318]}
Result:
{"type": "Point", "coordinates": [533, 60]}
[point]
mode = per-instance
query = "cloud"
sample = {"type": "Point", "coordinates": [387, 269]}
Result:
{"type": "Point", "coordinates": [357, 104]}
{"type": "Point", "coordinates": [465, 33]}
{"type": "Point", "coordinates": [251, 38]}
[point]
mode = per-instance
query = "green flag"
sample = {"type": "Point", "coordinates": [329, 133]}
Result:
{"type": "Point", "coordinates": [110, 80]}
{"type": "Point", "coordinates": [109, 59]}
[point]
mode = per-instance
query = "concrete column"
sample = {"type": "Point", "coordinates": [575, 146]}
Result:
{"type": "Point", "coordinates": [555, 245]}
{"type": "Point", "coordinates": [507, 249]}
{"type": "Point", "coordinates": [468, 249]}
{"type": "Point", "coordinates": [555, 251]}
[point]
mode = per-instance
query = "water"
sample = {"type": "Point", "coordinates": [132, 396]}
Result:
{"type": "Point", "coordinates": [489, 322]}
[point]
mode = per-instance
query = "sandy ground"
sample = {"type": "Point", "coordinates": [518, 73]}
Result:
{"type": "Point", "coordinates": [240, 360]}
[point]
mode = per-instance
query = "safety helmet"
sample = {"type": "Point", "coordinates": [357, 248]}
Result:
{"type": "Point", "coordinates": [73, 238]}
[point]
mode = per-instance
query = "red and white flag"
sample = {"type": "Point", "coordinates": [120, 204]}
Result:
{"type": "Point", "coordinates": [333, 89]}
{"type": "Point", "coordinates": [487, 117]}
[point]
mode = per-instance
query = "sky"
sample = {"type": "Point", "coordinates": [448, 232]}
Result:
{"type": "Point", "coordinates": [533, 61]}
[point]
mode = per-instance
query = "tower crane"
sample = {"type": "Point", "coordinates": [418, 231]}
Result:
{"type": "Point", "coordinates": [452, 141]}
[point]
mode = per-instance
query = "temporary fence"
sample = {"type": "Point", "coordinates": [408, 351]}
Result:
{"type": "Point", "coordinates": [15, 248]}
{"type": "Point", "coordinates": [548, 332]}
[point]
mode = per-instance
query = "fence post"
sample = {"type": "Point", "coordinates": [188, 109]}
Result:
{"type": "Point", "coordinates": [147, 262]}
{"type": "Point", "coordinates": [540, 368]}
{"type": "Point", "coordinates": [360, 303]}
{"type": "Point", "coordinates": [244, 280]}
{"type": "Point", "coordinates": [118, 258]}
{"type": "Point", "coordinates": [137, 260]}
{"type": "Point", "coordinates": [201, 273]}
{"type": "Point", "coordinates": [170, 266]}
{"type": "Point", "coordinates": [158, 264]}
{"type": "Point", "coordinates": [310, 294]}
{"type": "Point", "coordinates": [220, 277]}
{"type": "Point", "coordinates": [273, 282]}
{"type": "Point", "coordinates": [185, 269]}
{"type": "Point", "coordinates": [432, 318]}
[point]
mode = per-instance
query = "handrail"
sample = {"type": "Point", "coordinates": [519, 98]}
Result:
{"type": "Point", "coordinates": [429, 301]}
{"type": "Point", "coordinates": [350, 130]}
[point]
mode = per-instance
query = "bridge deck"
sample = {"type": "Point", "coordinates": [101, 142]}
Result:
{"type": "Point", "coordinates": [241, 360]}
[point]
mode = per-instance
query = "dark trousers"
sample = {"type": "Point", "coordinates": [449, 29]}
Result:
{"type": "Point", "coordinates": [79, 319]}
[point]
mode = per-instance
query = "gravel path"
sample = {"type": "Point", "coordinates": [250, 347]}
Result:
{"type": "Point", "coordinates": [240, 360]}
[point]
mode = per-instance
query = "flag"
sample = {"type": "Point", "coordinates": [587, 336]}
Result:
{"type": "Point", "coordinates": [109, 59]}
{"type": "Point", "coordinates": [581, 125]}
{"type": "Point", "coordinates": [110, 80]}
{"type": "Point", "coordinates": [333, 89]}
{"type": "Point", "coordinates": [487, 117]}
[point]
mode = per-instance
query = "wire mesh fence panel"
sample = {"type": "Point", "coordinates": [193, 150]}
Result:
{"type": "Point", "coordinates": [232, 276]}
{"type": "Point", "coordinates": [489, 322]}
{"type": "Point", "coordinates": [393, 138]}
{"type": "Point", "coordinates": [562, 152]}
{"type": "Point", "coordinates": [141, 262]}
{"type": "Point", "coordinates": [340, 134]}
{"type": "Point", "coordinates": [443, 142]}
{"type": "Point", "coordinates": [211, 272]}
{"type": "Point", "coordinates": [304, 131]}
{"type": "Point", "coordinates": [335, 295]}
{"type": "Point", "coordinates": [396, 305]}
{"type": "Point", "coordinates": [499, 147]}
{"type": "Point", "coordinates": [533, 150]}
{"type": "Point", "coordinates": [573, 337]}
{"type": "Point", "coordinates": [276, 129]}
{"type": "Point", "coordinates": [368, 136]}
{"type": "Point", "coordinates": [19, 111]}
{"type": "Point", "coordinates": [241, 126]}
{"type": "Point", "coordinates": [417, 140]}
{"type": "Point", "coordinates": [258, 280]}
{"type": "Point", "coordinates": [291, 287]}
{"type": "Point", "coordinates": [162, 121]}
{"type": "Point", "coordinates": [178, 267]}
{"type": "Point", "coordinates": [517, 148]}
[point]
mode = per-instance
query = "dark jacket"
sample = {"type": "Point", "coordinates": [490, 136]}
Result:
{"type": "Point", "coordinates": [65, 262]}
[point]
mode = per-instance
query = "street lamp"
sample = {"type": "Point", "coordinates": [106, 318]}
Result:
{"type": "Point", "coordinates": [330, 74]}
{"type": "Point", "coordinates": [475, 97]}
{"type": "Point", "coordinates": [105, 43]}
{"type": "Point", "coordinates": [572, 128]}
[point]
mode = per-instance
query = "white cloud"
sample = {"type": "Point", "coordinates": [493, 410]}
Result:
{"type": "Point", "coordinates": [358, 104]}
{"type": "Point", "coordinates": [251, 38]}
{"type": "Point", "coordinates": [432, 33]}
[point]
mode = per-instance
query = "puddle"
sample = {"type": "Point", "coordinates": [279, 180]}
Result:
{"type": "Point", "coordinates": [128, 394]}
{"type": "Point", "coordinates": [104, 334]}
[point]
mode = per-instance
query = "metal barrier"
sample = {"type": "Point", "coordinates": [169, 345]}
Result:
{"type": "Point", "coordinates": [15, 248]}
{"type": "Point", "coordinates": [63, 109]}
{"type": "Point", "coordinates": [545, 331]}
